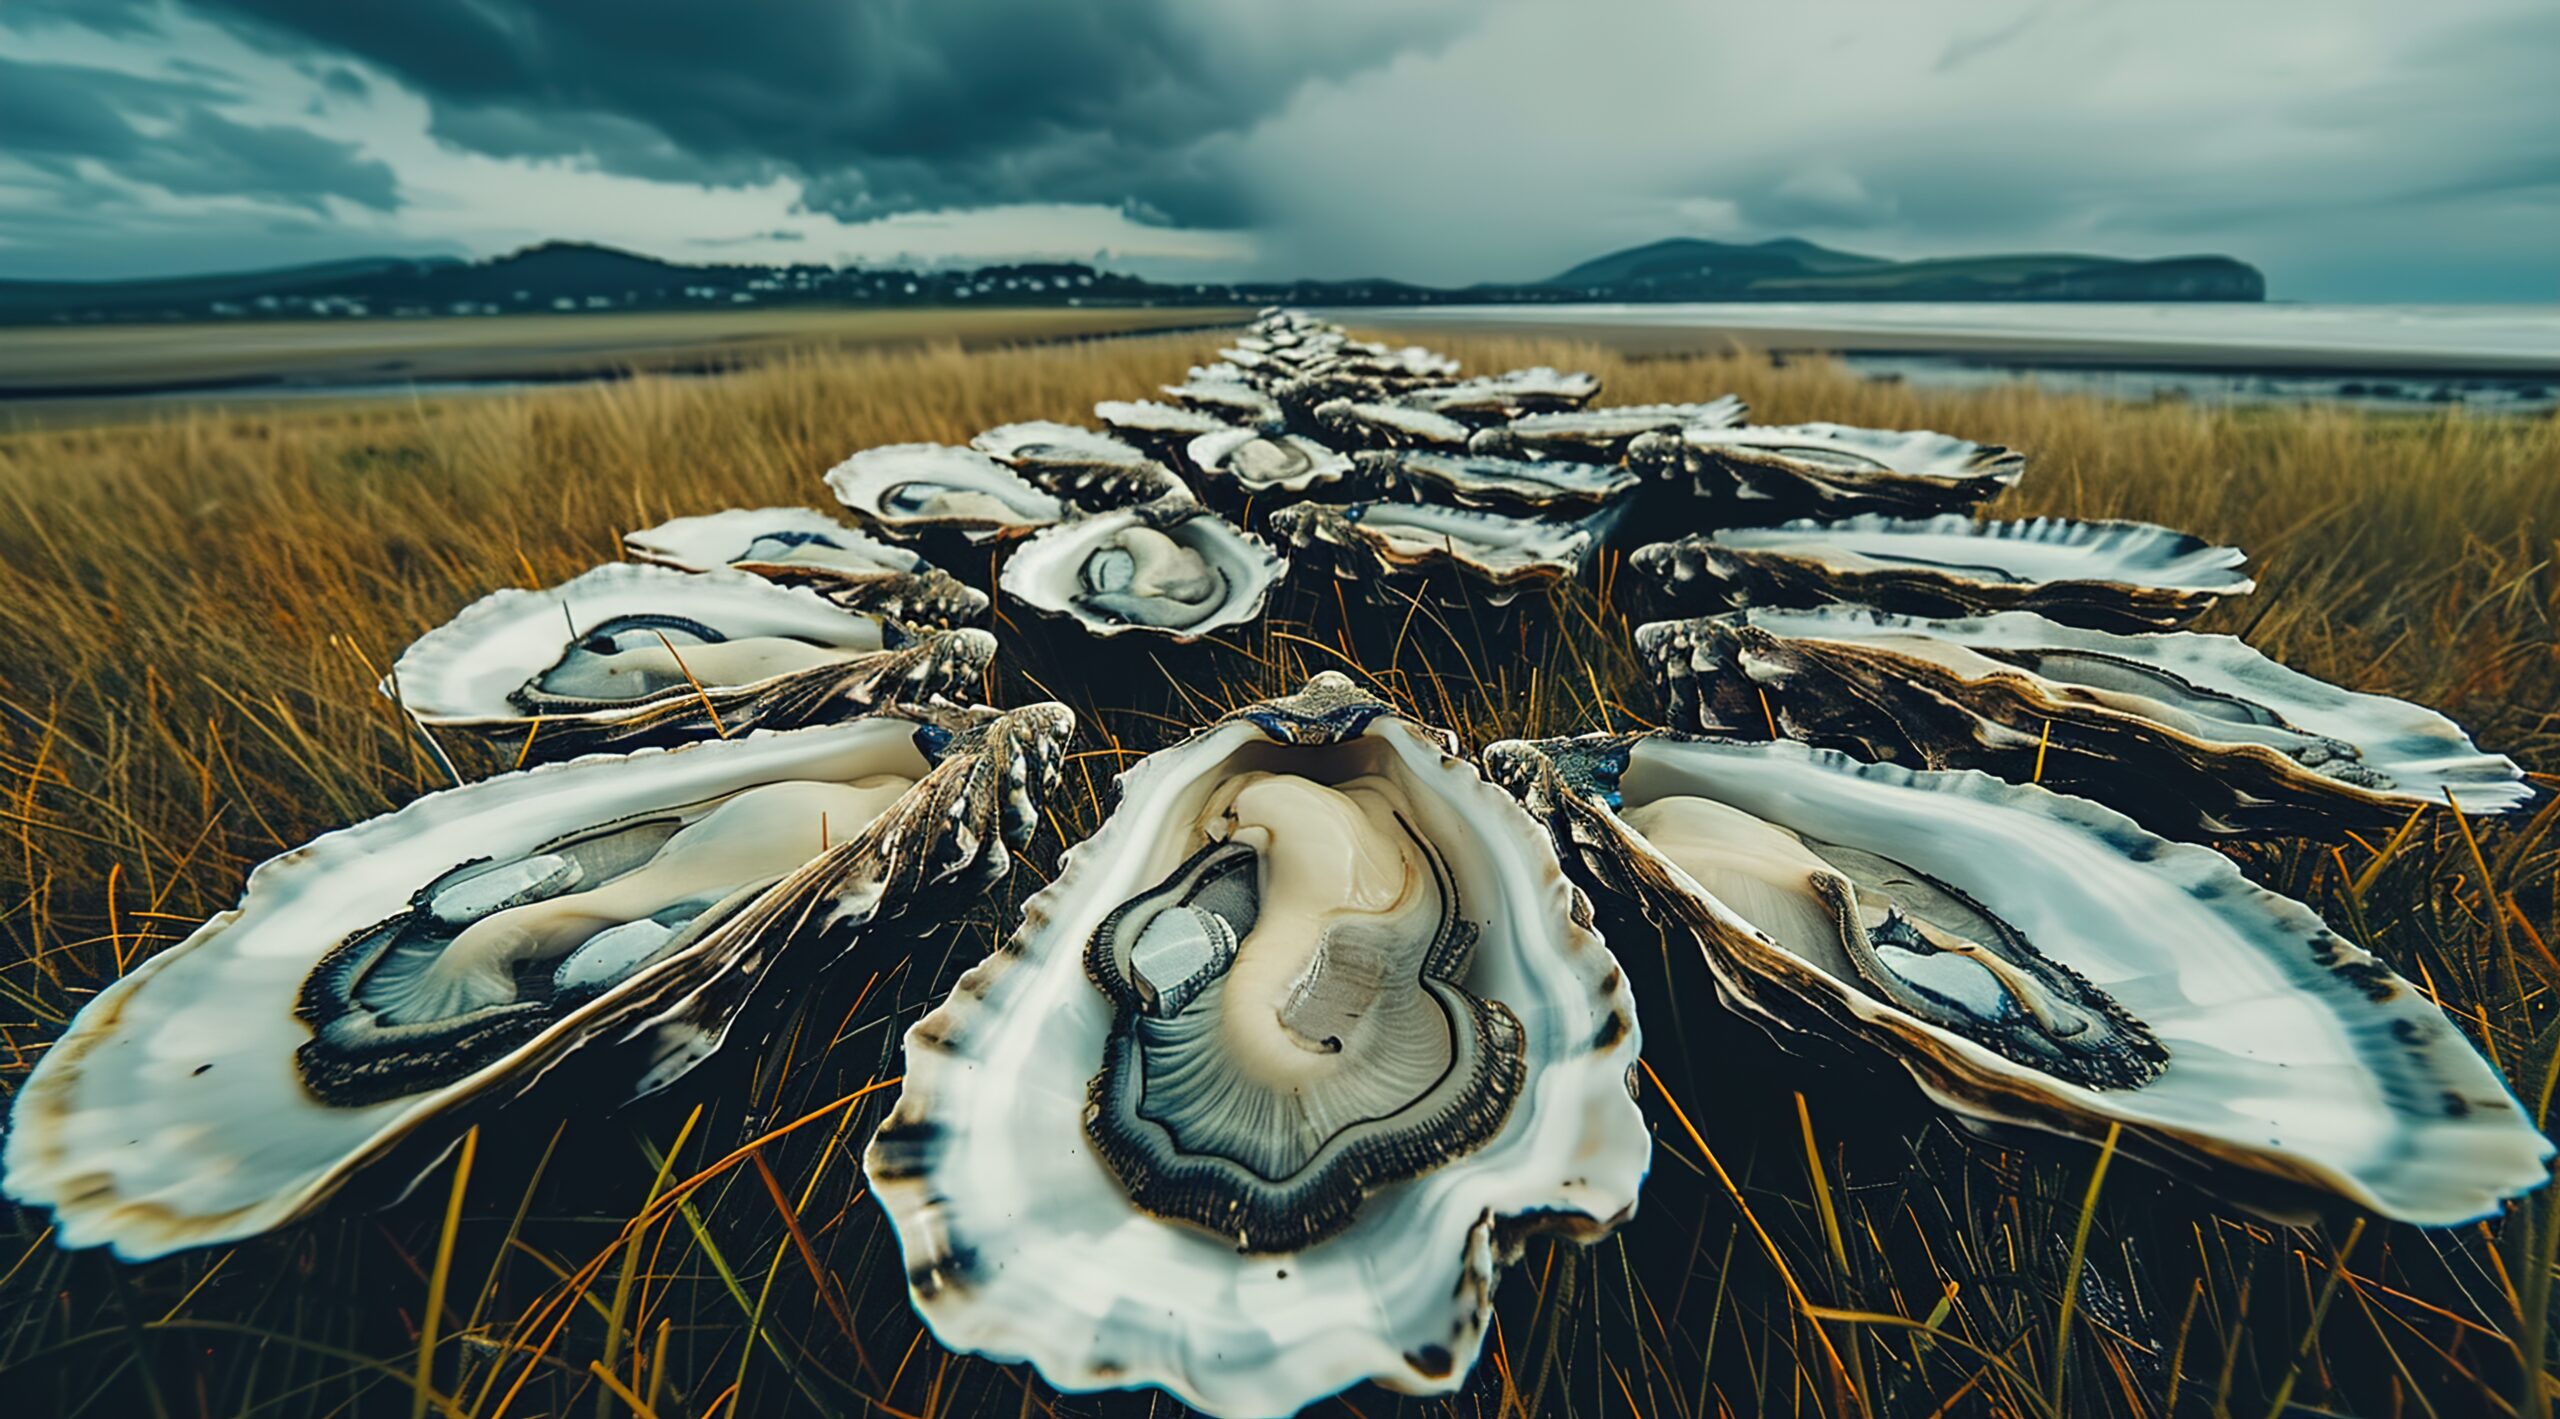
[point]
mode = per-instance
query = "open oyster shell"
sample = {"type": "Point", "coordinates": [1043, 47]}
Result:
{"type": "Point", "coordinates": [1256, 464]}
{"type": "Point", "coordinates": [1833, 470]}
{"type": "Point", "coordinates": [1170, 568]}
{"type": "Point", "coordinates": [375, 981]}
{"type": "Point", "coordinates": [1603, 435]}
{"type": "Point", "coordinates": [1091, 471]}
{"type": "Point", "coordinates": [2128, 576]}
{"type": "Point", "coordinates": [1542, 487]}
{"type": "Point", "coordinates": [1497, 556]}
{"type": "Point", "coordinates": [2189, 733]}
{"type": "Point", "coordinates": [1163, 428]}
{"type": "Point", "coordinates": [1066, 1167]}
{"type": "Point", "coordinates": [906, 489]}
{"type": "Point", "coordinates": [1508, 395]}
{"type": "Point", "coordinates": [2036, 960]}
{"type": "Point", "coordinates": [1385, 424]}
{"type": "Point", "coordinates": [627, 655]}
{"type": "Point", "coordinates": [1226, 396]}
{"type": "Point", "coordinates": [797, 547]}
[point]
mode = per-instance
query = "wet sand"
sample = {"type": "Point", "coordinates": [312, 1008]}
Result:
{"type": "Point", "coordinates": [44, 369]}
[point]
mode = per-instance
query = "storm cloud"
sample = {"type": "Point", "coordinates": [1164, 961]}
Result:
{"type": "Point", "coordinates": [2355, 148]}
{"type": "Point", "coordinates": [877, 107]}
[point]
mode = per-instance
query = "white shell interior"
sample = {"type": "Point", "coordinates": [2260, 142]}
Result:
{"type": "Point", "coordinates": [1623, 420]}
{"type": "Point", "coordinates": [1227, 396]}
{"type": "Point", "coordinates": [1069, 1277]}
{"type": "Point", "coordinates": [1047, 571]}
{"type": "Point", "coordinates": [2271, 1052]}
{"type": "Point", "coordinates": [1148, 418]}
{"type": "Point", "coordinates": [1916, 452]}
{"type": "Point", "coordinates": [1046, 440]}
{"type": "Point", "coordinates": [1499, 544]}
{"type": "Point", "coordinates": [1539, 383]}
{"type": "Point", "coordinates": [2423, 753]}
{"type": "Point", "coordinates": [1230, 453]}
{"type": "Point", "coordinates": [770, 536]}
{"type": "Point", "coordinates": [463, 671]}
{"type": "Point", "coordinates": [1472, 476]}
{"type": "Point", "coordinates": [171, 1114]}
{"type": "Point", "coordinates": [2046, 549]}
{"type": "Point", "coordinates": [912, 486]}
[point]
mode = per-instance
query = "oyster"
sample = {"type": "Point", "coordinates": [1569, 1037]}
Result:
{"type": "Point", "coordinates": [1508, 395]}
{"type": "Point", "coordinates": [1371, 542]}
{"type": "Point", "coordinates": [1157, 426]}
{"type": "Point", "coordinates": [1171, 567]}
{"type": "Point", "coordinates": [1090, 470]}
{"type": "Point", "coordinates": [798, 547]}
{"type": "Point", "coordinates": [376, 980]}
{"type": "Point", "coordinates": [909, 488]}
{"type": "Point", "coordinates": [1388, 425]}
{"type": "Point", "coordinates": [1349, 1037]}
{"type": "Point", "coordinates": [1537, 487]}
{"type": "Point", "coordinates": [1230, 400]}
{"type": "Point", "coordinates": [2189, 733]}
{"type": "Point", "coordinates": [2111, 575]}
{"type": "Point", "coordinates": [1254, 463]}
{"type": "Point", "coordinates": [1834, 469]}
{"type": "Point", "coordinates": [2037, 960]}
{"type": "Point", "coordinates": [1603, 435]}
{"type": "Point", "coordinates": [629, 654]}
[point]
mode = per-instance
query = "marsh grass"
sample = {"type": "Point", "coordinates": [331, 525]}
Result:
{"type": "Point", "coordinates": [193, 614]}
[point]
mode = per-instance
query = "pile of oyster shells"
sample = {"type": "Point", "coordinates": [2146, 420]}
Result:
{"type": "Point", "coordinates": [1296, 1049]}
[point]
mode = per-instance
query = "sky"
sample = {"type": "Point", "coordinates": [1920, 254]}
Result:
{"type": "Point", "coordinates": [2353, 149]}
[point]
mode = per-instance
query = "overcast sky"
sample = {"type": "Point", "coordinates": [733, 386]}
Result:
{"type": "Point", "coordinates": [2354, 149]}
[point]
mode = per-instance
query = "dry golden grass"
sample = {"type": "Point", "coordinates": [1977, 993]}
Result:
{"type": "Point", "coordinates": [192, 614]}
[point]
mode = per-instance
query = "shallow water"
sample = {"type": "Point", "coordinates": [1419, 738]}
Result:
{"type": "Point", "coordinates": [2491, 358]}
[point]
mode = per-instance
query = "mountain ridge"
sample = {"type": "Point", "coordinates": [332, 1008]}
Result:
{"type": "Point", "coordinates": [561, 276]}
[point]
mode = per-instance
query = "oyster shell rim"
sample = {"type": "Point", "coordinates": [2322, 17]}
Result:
{"type": "Point", "coordinates": [941, 1263]}
{"type": "Point", "coordinates": [1260, 555]}
{"type": "Point", "coordinates": [35, 1172]}
{"type": "Point", "coordinates": [2282, 796]}
{"type": "Point", "coordinates": [1964, 1078]}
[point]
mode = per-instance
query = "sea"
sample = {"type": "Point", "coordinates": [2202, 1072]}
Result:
{"type": "Point", "coordinates": [2492, 358]}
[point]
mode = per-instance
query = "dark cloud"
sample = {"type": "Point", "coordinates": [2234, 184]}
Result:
{"type": "Point", "coordinates": [879, 105]}
{"type": "Point", "coordinates": [58, 117]}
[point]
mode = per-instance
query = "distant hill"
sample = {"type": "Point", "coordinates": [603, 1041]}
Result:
{"type": "Point", "coordinates": [1790, 269]}
{"type": "Point", "coordinates": [577, 276]}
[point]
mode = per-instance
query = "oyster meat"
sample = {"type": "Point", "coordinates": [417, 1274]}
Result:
{"type": "Point", "coordinates": [1171, 568]}
{"type": "Point", "coordinates": [2035, 960]}
{"type": "Point", "coordinates": [1372, 542]}
{"type": "Point", "coordinates": [2130, 576]}
{"type": "Point", "coordinates": [375, 980]}
{"type": "Point", "coordinates": [1255, 464]}
{"type": "Point", "coordinates": [2189, 733]}
{"type": "Point", "coordinates": [798, 547]}
{"type": "Point", "coordinates": [629, 654]}
{"type": "Point", "coordinates": [909, 488]}
{"type": "Point", "coordinates": [1273, 1079]}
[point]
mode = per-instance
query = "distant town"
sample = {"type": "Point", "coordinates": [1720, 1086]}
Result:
{"type": "Point", "coordinates": [567, 277]}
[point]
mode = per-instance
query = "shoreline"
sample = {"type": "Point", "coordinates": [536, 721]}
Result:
{"type": "Point", "coordinates": [49, 374]}
{"type": "Point", "coordinates": [1996, 335]}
